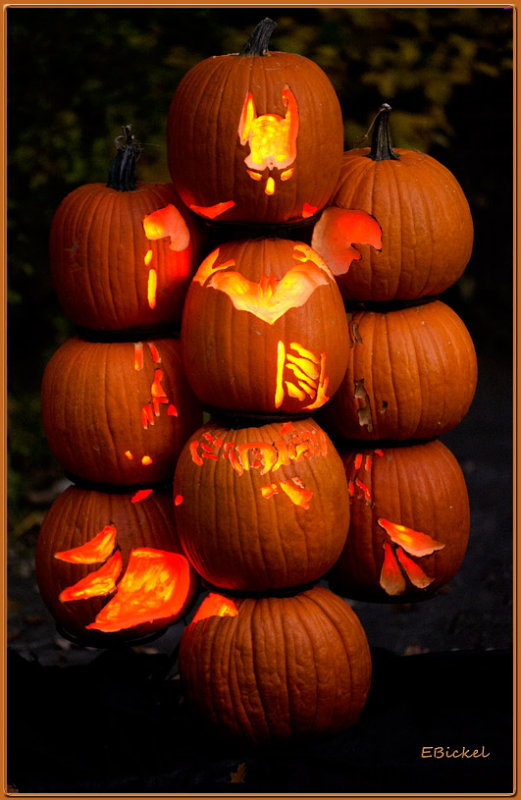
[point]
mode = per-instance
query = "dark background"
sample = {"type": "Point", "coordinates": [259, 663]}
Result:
{"type": "Point", "coordinates": [75, 76]}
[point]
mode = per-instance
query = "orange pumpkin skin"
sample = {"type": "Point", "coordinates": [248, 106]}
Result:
{"type": "Point", "coordinates": [261, 508]}
{"type": "Point", "coordinates": [263, 327]}
{"type": "Point", "coordinates": [411, 373]}
{"type": "Point", "coordinates": [276, 668]}
{"type": "Point", "coordinates": [219, 153]}
{"type": "Point", "coordinates": [420, 487]}
{"type": "Point", "coordinates": [425, 221]}
{"type": "Point", "coordinates": [103, 262]}
{"type": "Point", "coordinates": [75, 518]}
{"type": "Point", "coordinates": [118, 412]}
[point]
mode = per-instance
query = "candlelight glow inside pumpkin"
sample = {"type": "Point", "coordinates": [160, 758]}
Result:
{"type": "Point", "coordinates": [215, 605]}
{"type": "Point", "coordinates": [165, 223]}
{"type": "Point", "coordinates": [416, 543]}
{"type": "Point", "coordinates": [337, 232]}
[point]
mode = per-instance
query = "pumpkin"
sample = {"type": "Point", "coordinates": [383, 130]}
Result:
{"type": "Point", "coordinates": [263, 328]}
{"type": "Point", "coordinates": [122, 254]}
{"type": "Point", "coordinates": [261, 507]}
{"type": "Point", "coordinates": [399, 227]}
{"type": "Point", "coordinates": [276, 668]}
{"type": "Point", "coordinates": [109, 564]}
{"type": "Point", "coordinates": [409, 522]}
{"type": "Point", "coordinates": [255, 136]}
{"type": "Point", "coordinates": [118, 412]}
{"type": "Point", "coordinates": [411, 373]}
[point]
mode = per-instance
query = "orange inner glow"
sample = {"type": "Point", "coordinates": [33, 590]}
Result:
{"type": "Point", "coordinates": [414, 572]}
{"type": "Point", "coordinates": [178, 499]}
{"type": "Point", "coordinates": [138, 356]}
{"type": "Point", "coordinates": [128, 454]}
{"type": "Point", "coordinates": [391, 577]}
{"type": "Point", "coordinates": [297, 494]}
{"type": "Point", "coordinates": [154, 352]}
{"type": "Point", "coordinates": [95, 584]}
{"type": "Point", "coordinates": [146, 461]}
{"type": "Point", "coordinates": [94, 551]}
{"type": "Point", "coordinates": [270, 186]}
{"type": "Point", "coordinates": [215, 605]}
{"type": "Point", "coordinates": [308, 210]}
{"type": "Point", "coordinates": [272, 139]}
{"type": "Point", "coordinates": [414, 542]}
{"type": "Point", "coordinates": [211, 212]}
{"type": "Point", "coordinates": [140, 495]}
{"type": "Point", "coordinates": [167, 222]}
{"type": "Point", "coordinates": [338, 230]}
{"type": "Point", "coordinates": [152, 288]}
{"type": "Point", "coordinates": [308, 376]}
{"type": "Point", "coordinates": [155, 586]}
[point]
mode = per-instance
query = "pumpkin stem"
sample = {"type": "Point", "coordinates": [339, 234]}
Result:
{"type": "Point", "coordinates": [257, 44]}
{"type": "Point", "coordinates": [381, 145]}
{"type": "Point", "coordinates": [122, 174]}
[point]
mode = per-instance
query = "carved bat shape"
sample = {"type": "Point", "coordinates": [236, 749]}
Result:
{"type": "Point", "coordinates": [272, 138]}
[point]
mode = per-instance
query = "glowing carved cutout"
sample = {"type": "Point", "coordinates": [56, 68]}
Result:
{"type": "Point", "coordinates": [165, 223]}
{"type": "Point", "coordinates": [414, 542]}
{"type": "Point", "coordinates": [215, 605]}
{"type": "Point", "coordinates": [95, 584]}
{"type": "Point", "coordinates": [308, 210]}
{"type": "Point", "coordinates": [155, 586]}
{"type": "Point", "coordinates": [138, 356]}
{"type": "Point", "coordinates": [338, 230]}
{"type": "Point", "coordinates": [211, 212]}
{"type": "Point", "coordinates": [95, 551]}
{"type": "Point", "coordinates": [152, 288]}
{"type": "Point", "coordinates": [297, 494]}
{"type": "Point", "coordinates": [308, 376]}
{"type": "Point", "coordinates": [140, 495]}
{"type": "Point", "coordinates": [272, 139]}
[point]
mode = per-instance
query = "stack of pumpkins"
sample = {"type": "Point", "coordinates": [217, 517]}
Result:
{"type": "Point", "coordinates": [261, 498]}
{"type": "Point", "coordinates": [117, 408]}
{"type": "Point", "coordinates": [412, 370]}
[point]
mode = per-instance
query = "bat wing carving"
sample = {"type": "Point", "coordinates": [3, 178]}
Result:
{"type": "Point", "coordinates": [269, 299]}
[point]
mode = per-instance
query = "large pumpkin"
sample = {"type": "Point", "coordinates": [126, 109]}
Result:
{"type": "Point", "coordinates": [118, 412]}
{"type": "Point", "coordinates": [109, 564]}
{"type": "Point", "coordinates": [409, 522]}
{"type": "Point", "coordinates": [263, 328]}
{"type": "Point", "coordinates": [122, 254]}
{"type": "Point", "coordinates": [276, 668]}
{"type": "Point", "coordinates": [261, 507]}
{"type": "Point", "coordinates": [411, 373]}
{"type": "Point", "coordinates": [255, 136]}
{"type": "Point", "coordinates": [399, 227]}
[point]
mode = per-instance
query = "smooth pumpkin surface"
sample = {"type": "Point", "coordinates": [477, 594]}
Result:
{"type": "Point", "coordinates": [410, 522]}
{"type": "Point", "coordinates": [411, 373]}
{"type": "Point", "coordinates": [276, 668]}
{"type": "Point", "coordinates": [118, 412]}
{"type": "Point", "coordinates": [95, 547]}
{"type": "Point", "coordinates": [263, 328]}
{"type": "Point", "coordinates": [261, 507]}
{"type": "Point", "coordinates": [256, 137]}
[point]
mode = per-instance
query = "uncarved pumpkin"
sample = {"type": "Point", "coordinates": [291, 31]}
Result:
{"type": "Point", "coordinates": [255, 136]}
{"type": "Point", "coordinates": [263, 328]}
{"type": "Point", "coordinates": [261, 507]}
{"type": "Point", "coordinates": [276, 668]}
{"type": "Point", "coordinates": [118, 412]}
{"type": "Point", "coordinates": [409, 522]}
{"type": "Point", "coordinates": [411, 373]}
{"type": "Point", "coordinates": [109, 564]}
{"type": "Point", "coordinates": [122, 254]}
{"type": "Point", "coordinates": [399, 227]}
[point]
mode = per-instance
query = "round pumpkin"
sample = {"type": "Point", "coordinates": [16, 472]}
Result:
{"type": "Point", "coordinates": [399, 227]}
{"type": "Point", "coordinates": [409, 522]}
{"type": "Point", "coordinates": [255, 136]}
{"type": "Point", "coordinates": [261, 507]}
{"type": "Point", "coordinates": [118, 412]}
{"type": "Point", "coordinates": [263, 328]}
{"type": "Point", "coordinates": [109, 564]}
{"type": "Point", "coordinates": [411, 373]}
{"type": "Point", "coordinates": [276, 668]}
{"type": "Point", "coordinates": [122, 254]}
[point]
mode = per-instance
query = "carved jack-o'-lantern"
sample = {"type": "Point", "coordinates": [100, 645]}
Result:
{"type": "Point", "coordinates": [122, 254]}
{"type": "Point", "coordinates": [406, 214]}
{"type": "Point", "coordinates": [118, 412]}
{"type": "Point", "coordinates": [264, 328]}
{"type": "Point", "coordinates": [276, 668]}
{"type": "Point", "coordinates": [409, 522]}
{"type": "Point", "coordinates": [109, 565]}
{"type": "Point", "coordinates": [261, 507]}
{"type": "Point", "coordinates": [256, 136]}
{"type": "Point", "coordinates": [411, 373]}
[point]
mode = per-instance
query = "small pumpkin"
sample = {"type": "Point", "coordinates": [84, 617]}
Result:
{"type": "Point", "coordinates": [261, 507]}
{"type": "Point", "coordinates": [411, 373]}
{"type": "Point", "coordinates": [409, 522]}
{"type": "Point", "coordinates": [118, 412]}
{"type": "Point", "coordinates": [122, 254]}
{"type": "Point", "coordinates": [255, 136]}
{"type": "Point", "coordinates": [399, 226]}
{"type": "Point", "coordinates": [263, 328]}
{"type": "Point", "coordinates": [275, 668]}
{"type": "Point", "coordinates": [109, 564]}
